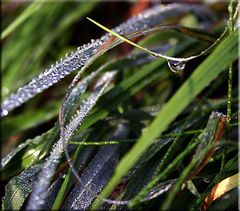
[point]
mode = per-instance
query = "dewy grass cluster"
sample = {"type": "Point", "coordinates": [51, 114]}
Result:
{"type": "Point", "coordinates": [153, 128]}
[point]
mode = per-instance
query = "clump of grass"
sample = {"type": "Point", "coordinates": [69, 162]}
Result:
{"type": "Point", "coordinates": [142, 130]}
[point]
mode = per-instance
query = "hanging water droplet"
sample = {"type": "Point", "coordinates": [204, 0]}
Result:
{"type": "Point", "coordinates": [176, 66]}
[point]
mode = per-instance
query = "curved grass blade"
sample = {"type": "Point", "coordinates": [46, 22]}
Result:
{"type": "Point", "coordinates": [171, 60]}
{"type": "Point", "coordinates": [99, 88]}
{"type": "Point", "coordinates": [79, 58]}
{"type": "Point", "coordinates": [226, 51]}
{"type": "Point", "coordinates": [76, 93]}
{"type": "Point", "coordinates": [159, 189]}
{"type": "Point", "coordinates": [196, 33]}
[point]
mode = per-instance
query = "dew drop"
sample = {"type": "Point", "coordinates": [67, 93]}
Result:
{"type": "Point", "coordinates": [4, 112]}
{"type": "Point", "coordinates": [176, 66]}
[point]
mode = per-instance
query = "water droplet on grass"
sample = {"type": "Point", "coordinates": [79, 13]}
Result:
{"type": "Point", "coordinates": [176, 66]}
{"type": "Point", "coordinates": [4, 112]}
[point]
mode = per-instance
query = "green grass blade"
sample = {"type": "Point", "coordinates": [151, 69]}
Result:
{"type": "Point", "coordinates": [230, 68]}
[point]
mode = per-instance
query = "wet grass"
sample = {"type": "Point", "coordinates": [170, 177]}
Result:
{"type": "Point", "coordinates": [145, 138]}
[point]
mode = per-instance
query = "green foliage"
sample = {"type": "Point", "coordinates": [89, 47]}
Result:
{"type": "Point", "coordinates": [136, 144]}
